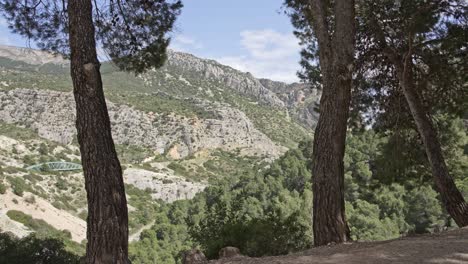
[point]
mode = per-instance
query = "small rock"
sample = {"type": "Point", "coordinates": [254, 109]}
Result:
{"type": "Point", "coordinates": [194, 256]}
{"type": "Point", "coordinates": [229, 252]}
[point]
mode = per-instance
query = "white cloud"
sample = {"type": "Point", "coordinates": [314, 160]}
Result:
{"type": "Point", "coordinates": [185, 43]}
{"type": "Point", "coordinates": [269, 44]}
{"type": "Point", "coordinates": [269, 54]}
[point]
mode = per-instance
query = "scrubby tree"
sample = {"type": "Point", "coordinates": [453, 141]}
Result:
{"type": "Point", "coordinates": [133, 33]}
{"type": "Point", "coordinates": [327, 30]}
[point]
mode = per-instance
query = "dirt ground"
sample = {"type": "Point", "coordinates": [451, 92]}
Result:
{"type": "Point", "coordinates": [447, 247]}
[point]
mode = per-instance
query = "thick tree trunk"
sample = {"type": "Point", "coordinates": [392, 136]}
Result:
{"type": "Point", "coordinates": [328, 169]}
{"type": "Point", "coordinates": [107, 232]}
{"type": "Point", "coordinates": [336, 63]}
{"type": "Point", "coordinates": [451, 197]}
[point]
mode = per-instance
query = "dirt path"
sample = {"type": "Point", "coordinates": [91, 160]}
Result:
{"type": "Point", "coordinates": [448, 247]}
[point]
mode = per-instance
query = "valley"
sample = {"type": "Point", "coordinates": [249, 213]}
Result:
{"type": "Point", "coordinates": [175, 132]}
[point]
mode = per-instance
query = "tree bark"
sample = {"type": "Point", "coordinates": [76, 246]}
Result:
{"type": "Point", "coordinates": [451, 197]}
{"type": "Point", "coordinates": [329, 220]}
{"type": "Point", "coordinates": [336, 54]}
{"type": "Point", "coordinates": [107, 221]}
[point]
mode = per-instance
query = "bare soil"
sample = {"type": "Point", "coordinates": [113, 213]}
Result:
{"type": "Point", "coordinates": [446, 247]}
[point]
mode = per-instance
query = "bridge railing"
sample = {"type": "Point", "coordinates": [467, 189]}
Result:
{"type": "Point", "coordinates": [55, 166]}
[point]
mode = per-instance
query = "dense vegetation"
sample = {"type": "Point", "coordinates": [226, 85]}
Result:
{"type": "Point", "coordinates": [267, 210]}
{"type": "Point", "coordinates": [32, 249]}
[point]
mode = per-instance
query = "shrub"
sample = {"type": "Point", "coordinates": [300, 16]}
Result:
{"type": "Point", "coordinates": [83, 215]}
{"type": "Point", "coordinates": [61, 184]}
{"type": "Point", "coordinates": [167, 181]}
{"type": "Point", "coordinates": [3, 188]}
{"type": "Point", "coordinates": [365, 222]}
{"type": "Point", "coordinates": [18, 185]}
{"type": "Point", "coordinates": [34, 250]}
{"type": "Point", "coordinates": [178, 169]}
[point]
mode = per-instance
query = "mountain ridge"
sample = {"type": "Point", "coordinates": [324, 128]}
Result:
{"type": "Point", "coordinates": [288, 97]}
{"type": "Point", "coordinates": [177, 129]}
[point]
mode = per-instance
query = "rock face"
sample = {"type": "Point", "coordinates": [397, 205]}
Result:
{"type": "Point", "coordinates": [52, 115]}
{"type": "Point", "coordinates": [194, 256]}
{"type": "Point", "coordinates": [164, 186]}
{"type": "Point", "coordinates": [243, 83]}
{"type": "Point", "coordinates": [296, 98]}
{"type": "Point", "coordinates": [299, 98]}
{"type": "Point", "coordinates": [229, 252]}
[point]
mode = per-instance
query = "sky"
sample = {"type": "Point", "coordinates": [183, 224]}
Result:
{"type": "Point", "coordinates": [250, 35]}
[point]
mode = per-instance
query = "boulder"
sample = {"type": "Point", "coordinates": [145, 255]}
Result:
{"type": "Point", "coordinates": [229, 252]}
{"type": "Point", "coordinates": [194, 256]}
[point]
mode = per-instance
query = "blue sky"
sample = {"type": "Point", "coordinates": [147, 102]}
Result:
{"type": "Point", "coordinates": [249, 35]}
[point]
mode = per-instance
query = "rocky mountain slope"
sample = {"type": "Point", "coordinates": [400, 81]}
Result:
{"type": "Point", "coordinates": [176, 129]}
{"type": "Point", "coordinates": [52, 115]}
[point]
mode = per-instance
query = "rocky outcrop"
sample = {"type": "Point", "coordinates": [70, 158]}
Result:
{"type": "Point", "coordinates": [296, 98]}
{"type": "Point", "coordinates": [229, 252]}
{"type": "Point", "coordinates": [243, 83]}
{"type": "Point", "coordinates": [300, 98]}
{"type": "Point", "coordinates": [52, 115]}
{"type": "Point", "coordinates": [194, 256]}
{"type": "Point", "coordinates": [165, 186]}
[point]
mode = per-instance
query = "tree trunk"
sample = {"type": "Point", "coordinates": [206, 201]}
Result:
{"type": "Point", "coordinates": [329, 220]}
{"type": "Point", "coordinates": [107, 232]}
{"type": "Point", "coordinates": [451, 197]}
{"type": "Point", "coordinates": [336, 55]}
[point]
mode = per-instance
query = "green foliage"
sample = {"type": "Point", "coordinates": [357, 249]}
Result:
{"type": "Point", "coordinates": [140, 29]}
{"type": "Point", "coordinates": [34, 250]}
{"type": "Point", "coordinates": [145, 204]}
{"type": "Point", "coordinates": [403, 158]}
{"type": "Point", "coordinates": [367, 225]}
{"type": "Point", "coordinates": [40, 226]}
{"type": "Point", "coordinates": [3, 187]}
{"type": "Point", "coordinates": [33, 178]}
{"type": "Point", "coordinates": [61, 184]}
{"type": "Point", "coordinates": [43, 230]}
{"type": "Point", "coordinates": [266, 210]}
{"type": "Point", "coordinates": [393, 205]}
{"type": "Point", "coordinates": [433, 32]}
{"type": "Point", "coordinates": [424, 211]}
{"type": "Point", "coordinates": [131, 154]}
{"type": "Point", "coordinates": [266, 213]}
{"type": "Point", "coordinates": [18, 185]}
{"type": "Point", "coordinates": [168, 236]}
{"type": "Point", "coordinates": [16, 132]}
{"type": "Point", "coordinates": [43, 149]}
{"type": "Point", "coordinates": [178, 169]}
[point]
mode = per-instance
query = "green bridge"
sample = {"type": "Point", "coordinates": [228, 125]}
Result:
{"type": "Point", "coordinates": [55, 166]}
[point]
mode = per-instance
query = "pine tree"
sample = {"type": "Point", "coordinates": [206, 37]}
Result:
{"type": "Point", "coordinates": [414, 51]}
{"type": "Point", "coordinates": [134, 35]}
{"type": "Point", "coordinates": [327, 28]}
